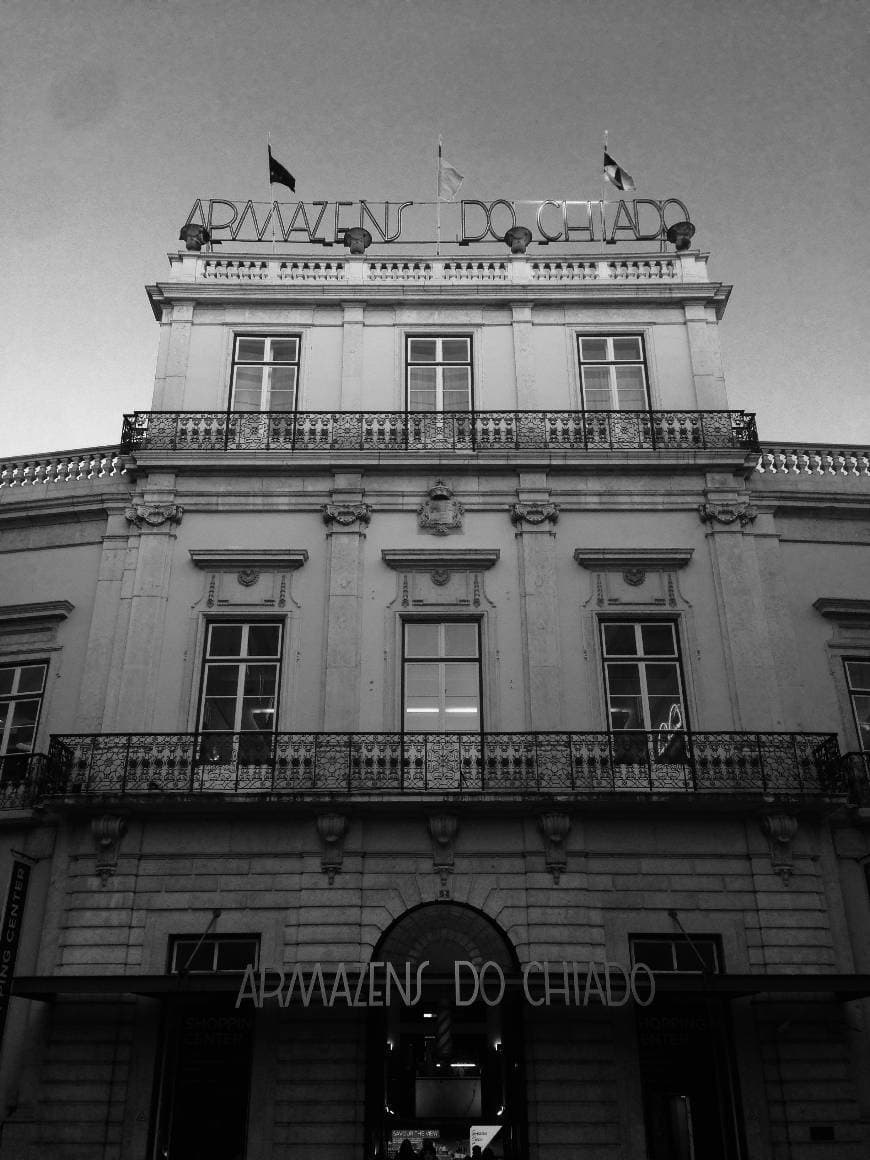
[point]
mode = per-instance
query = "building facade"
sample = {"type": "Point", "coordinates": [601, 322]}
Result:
{"type": "Point", "coordinates": [439, 714]}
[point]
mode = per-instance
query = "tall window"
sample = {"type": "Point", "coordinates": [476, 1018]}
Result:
{"type": "Point", "coordinates": [240, 691]}
{"type": "Point", "coordinates": [858, 680]}
{"type": "Point", "coordinates": [438, 373]}
{"type": "Point", "coordinates": [642, 675]}
{"type": "Point", "coordinates": [265, 374]}
{"type": "Point", "coordinates": [21, 690]}
{"type": "Point", "coordinates": [613, 373]}
{"type": "Point", "coordinates": [442, 676]}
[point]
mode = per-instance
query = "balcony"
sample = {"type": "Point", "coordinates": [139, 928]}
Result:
{"type": "Point", "coordinates": [390, 431]}
{"type": "Point", "coordinates": [738, 766]}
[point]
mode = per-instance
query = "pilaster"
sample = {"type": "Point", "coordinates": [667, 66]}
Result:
{"type": "Point", "coordinates": [352, 357]}
{"type": "Point", "coordinates": [706, 357]}
{"type": "Point", "coordinates": [524, 357]}
{"type": "Point", "coordinates": [174, 358]}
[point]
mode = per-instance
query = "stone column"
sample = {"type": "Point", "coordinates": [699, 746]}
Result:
{"type": "Point", "coordinates": [145, 588]}
{"type": "Point", "coordinates": [534, 516]}
{"type": "Point", "coordinates": [524, 357]}
{"type": "Point", "coordinates": [352, 357]}
{"type": "Point", "coordinates": [706, 356]}
{"type": "Point", "coordinates": [346, 517]}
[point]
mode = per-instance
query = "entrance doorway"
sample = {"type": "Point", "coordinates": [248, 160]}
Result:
{"type": "Point", "coordinates": [440, 1074]}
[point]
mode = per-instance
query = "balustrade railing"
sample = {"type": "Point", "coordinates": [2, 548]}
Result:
{"type": "Point", "coordinates": [683, 764]}
{"type": "Point", "coordinates": [62, 467]}
{"type": "Point", "coordinates": [450, 430]}
{"type": "Point", "coordinates": [840, 461]}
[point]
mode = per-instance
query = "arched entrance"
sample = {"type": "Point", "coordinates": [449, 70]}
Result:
{"type": "Point", "coordinates": [438, 1068]}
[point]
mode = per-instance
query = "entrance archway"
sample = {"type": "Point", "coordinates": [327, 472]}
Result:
{"type": "Point", "coordinates": [439, 1068]}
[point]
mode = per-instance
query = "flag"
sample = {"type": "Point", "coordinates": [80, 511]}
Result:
{"type": "Point", "coordinates": [616, 175]}
{"type": "Point", "coordinates": [449, 179]}
{"type": "Point", "coordinates": [278, 175]}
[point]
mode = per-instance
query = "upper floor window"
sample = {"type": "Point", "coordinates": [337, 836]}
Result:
{"type": "Point", "coordinates": [242, 668]}
{"type": "Point", "coordinates": [265, 374]}
{"type": "Point", "coordinates": [858, 681]}
{"type": "Point", "coordinates": [217, 954]}
{"type": "Point", "coordinates": [441, 676]}
{"type": "Point", "coordinates": [21, 690]}
{"type": "Point", "coordinates": [438, 374]}
{"type": "Point", "coordinates": [613, 372]}
{"type": "Point", "coordinates": [677, 953]}
{"type": "Point", "coordinates": [642, 675]}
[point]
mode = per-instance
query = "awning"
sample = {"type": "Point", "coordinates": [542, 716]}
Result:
{"type": "Point", "coordinates": [842, 987]}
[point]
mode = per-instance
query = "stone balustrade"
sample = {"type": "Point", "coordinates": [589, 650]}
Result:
{"type": "Point", "coordinates": [840, 461]}
{"type": "Point", "coordinates": [89, 463]}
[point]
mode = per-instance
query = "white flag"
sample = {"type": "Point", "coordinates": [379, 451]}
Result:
{"type": "Point", "coordinates": [449, 178]}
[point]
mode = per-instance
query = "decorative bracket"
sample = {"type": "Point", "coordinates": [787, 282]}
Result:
{"type": "Point", "coordinates": [154, 515]}
{"type": "Point", "coordinates": [440, 514]}
{"type": "Point", "coordinates": [724, 513]}
{"type": "Point", "coordinates": [535, 514]}
{"type": "Point", "coordinates": [442, 830]}
{"type": "Point", "coordinates": [555, 828]}
{"type": "Point", "coordinates": [338, 516]}
{"type": "Point", "coordinates": [780, 829]}
{"type": "Point", "coordinates": [331, 829]}
{"type": "Point", "coordinates": [107, 833]}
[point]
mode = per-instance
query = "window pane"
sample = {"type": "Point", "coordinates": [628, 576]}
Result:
{"type": "Point", "coordinates": [594, 349]}
{"type": "Point", "coordinates": [862, 716]}
{"type": "Point", "coordinates": [31, 678]}
{"type": "Point", "coordinates": [421, 350]}
{"type": "Point", "coordinates": [626, 713]}
{"type": "Point", "coordinates": [620, 640]}
{"type": "Point", "coordinates": [264, 640]}
{"type": "Point", "coordinates": [658, 640]}
{"type": "Point", "coordinates": [666, 714]}
{"type": "Point", "coordinates": [221, 680]}
{"type": "Point", "coordinates": [422, 684]}
{"type": "Point", "coordinates": [626, 349]}
{"type": "Point", "coordinates": [624, 680]}
{"type": "Point", "coordinates": [460, 639]}
{"type": "Point", "coordinates": [6, 678]}
{"type": "Point", "coordinates": [630, 389]}
{"type": "Point", "coordinates": [596, 381]}
{"type": "Point", "coordinates": [260, 680]}
{"type": "Point", "coordinates": [225, 640]}
{"type": "Point", "coordinates": [282, 388]}
{"type": "Point", "coordinates": [219, 713]}
{"type": "Point", "coordinates": [455, 350]}
{"type": "Point", "coordinates": [663, 681]}
{"type": "Point", "coordinates": [689, 955]}
{"type": "Point", "coordinates": [190, 957]}
{"type": "Point", "coordinates": [258, 713]}
{"type": "Point", "coordinates": [236, 954]}
{"type": "Point", "coordinates": [658, 956]}
{"type": "Point", "coordinates": [251, 349]}
{"type": "Point", "coordinates": [421, 640]}
{"type": "Point", "coordinates": [284, 349]}
{"type": "Point", "coordinates": [859, 674]}
{"type": "Point", "coordinates": [457, 388]}
{"type": "Point", "coordinates": [247, 389]}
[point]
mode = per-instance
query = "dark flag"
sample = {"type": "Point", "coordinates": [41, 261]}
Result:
{"type": "Point", "coordinates": [615, 174]}
{"type": "Point", "coordinates": [278, 175]}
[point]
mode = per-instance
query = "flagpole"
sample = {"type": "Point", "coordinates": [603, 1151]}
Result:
{"type": "Point", "coordinates": [438, 201]}
{"type": "Point", "coordinates": [269, 166]}
{"type": "Point", "coordinates": [601, 202]}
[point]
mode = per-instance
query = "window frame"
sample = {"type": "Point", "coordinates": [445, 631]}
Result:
{"type": "Point", "coordinates": [641, 660]}
{"type": "Point", "coordinates": [243, 660]}
{"type": "Point", "coordinates": [177, 940]}
{"type": "Point", "coordinates": [265, 364]}
{"type": "Point", "coordinates": [612, 363]}
{"type": "Point", "coordinates": [708, 940]}
{"type": "Point", "coordinates": [852, 692]}
{"type": "Point", "coordinates": [13, 697]}
{"type": "Point", "coordinates": [441, 660]}
{"type": "Point", "coordinates": [439, 364]}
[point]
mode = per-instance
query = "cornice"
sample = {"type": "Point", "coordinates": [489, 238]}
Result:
{"type": "Point", "coordinates": [43, 611]}
{"type": "Point", "coordinates": [843, 609]}
{"type": "Point", "coordinates": [425, 559]}
{"type": "Point", "coordinates": [617, 559]}
{"type": "Point", "coordinates": [232, 559]}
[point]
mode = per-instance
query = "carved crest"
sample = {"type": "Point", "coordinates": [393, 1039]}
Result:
{"type": "Point", "coordinates": [440, 514]}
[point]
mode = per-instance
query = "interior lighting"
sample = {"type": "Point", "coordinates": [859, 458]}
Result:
{"type": "Point", "coordinates": [462, 1065]}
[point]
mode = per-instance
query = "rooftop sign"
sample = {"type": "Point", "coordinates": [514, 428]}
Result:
{"type": "Point", "coordinates": [326, 222]}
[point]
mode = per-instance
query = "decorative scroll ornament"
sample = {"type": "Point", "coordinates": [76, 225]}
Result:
{"type": "Point", "coordinates": [107, 833]}
{"type": "Point", "coordinates": [555, 827]}
{"type": "Point", "coordinates": [248, 577]}
{"type": "Point", "coordinates": [535, 514]}
{"type": "Point", "coordinates": [332, 829]}
{"type": "Point", "coordinates": [442, 830]}
{"type": "Point", "coordinates": [346, 515]}
{"type": "Point", "coordinates": [154, 515]}
{"type": "Point", "coordinates": [723, 513]}
{"type": "Point", "coordinates": [780, 830]}
{"type": "Point", "coordinates": [440, 514]}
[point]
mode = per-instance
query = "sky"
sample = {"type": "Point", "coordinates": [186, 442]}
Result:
{"type": "Point", "coordinates": [117, 114]}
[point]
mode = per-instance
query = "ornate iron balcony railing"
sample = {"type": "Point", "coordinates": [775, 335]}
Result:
{"type": "Point", "coordinates": [685, 764]}
{"type": "Point", "coordinates": [22, 778]}
{"type": "Point", "coordinates": [438, 431]}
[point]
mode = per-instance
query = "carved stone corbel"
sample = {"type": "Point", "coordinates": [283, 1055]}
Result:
{"type": "Point", "coordinates": [154, 515]}
{"type": "Point", "coordinates": [534, 514]}
{"type": "Point", "coordinates": [332, 829]}
{"type": "Point", "coordinates": [107, 833]}
{"type": "Point", "coordinates": [555, 828]}
{"type": "Point", "coordinates": [442, 830]}
{"type": "Point", "coordinates": [724, 513]}
{"type": "Point", "coordinates": [780, 829]}
{"type": "Point", "coordinates": [343, 516]}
